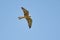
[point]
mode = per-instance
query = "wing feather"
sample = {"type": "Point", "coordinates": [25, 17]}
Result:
{"type": "Point", "coordinates": [29, 20]}
{"type": "Point", "coordinates": [26, 12]}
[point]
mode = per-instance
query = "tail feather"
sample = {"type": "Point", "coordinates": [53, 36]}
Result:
{"type": "Point", "coordinates": [19, 18]}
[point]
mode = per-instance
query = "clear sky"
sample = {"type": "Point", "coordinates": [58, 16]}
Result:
{"type": "Point", "coordinates": [45, 15]}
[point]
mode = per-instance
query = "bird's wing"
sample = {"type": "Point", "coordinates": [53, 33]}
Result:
{"type": "Point", "coordinates": [29, 20]}
{"type": "Point", "coordinates": [26, 12]}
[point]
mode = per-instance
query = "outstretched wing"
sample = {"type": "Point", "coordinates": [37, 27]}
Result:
{"type": "Point", "coordinates": [29, 20]}
{"type": "Point", "coordinates": [26, 13]}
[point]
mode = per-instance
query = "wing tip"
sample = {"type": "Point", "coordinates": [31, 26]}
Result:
{"type": "Point", "coordinates": [29, 27]}
{"type": "Point", "coordinates": [22, 8]}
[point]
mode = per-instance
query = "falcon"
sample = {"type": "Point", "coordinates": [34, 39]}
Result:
{"type": "Point", "coordinates": [26, 16]}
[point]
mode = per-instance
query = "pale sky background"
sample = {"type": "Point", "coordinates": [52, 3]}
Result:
{"type": "Point", "coordinates": [45, 15]}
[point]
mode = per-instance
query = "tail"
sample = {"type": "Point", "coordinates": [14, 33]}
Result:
{"type": "Point", "coordinates": [19, 18]}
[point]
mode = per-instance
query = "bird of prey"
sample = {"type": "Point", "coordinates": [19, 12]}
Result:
{"type": "Point", "coordinates": [26, 16]}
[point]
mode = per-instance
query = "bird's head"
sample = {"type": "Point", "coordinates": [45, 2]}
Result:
{"type": "Point", "coordinates": [29, 16]}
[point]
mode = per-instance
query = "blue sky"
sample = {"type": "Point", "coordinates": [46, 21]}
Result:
{"type": "Point", "coordinates": [45, 15]}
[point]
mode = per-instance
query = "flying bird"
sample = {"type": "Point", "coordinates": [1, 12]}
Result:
{"type": "Point", "coordinates": [26, 16]}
